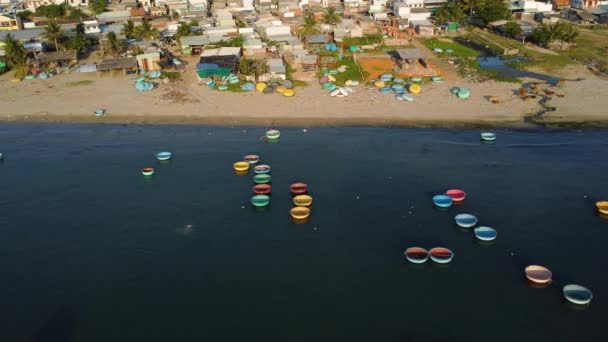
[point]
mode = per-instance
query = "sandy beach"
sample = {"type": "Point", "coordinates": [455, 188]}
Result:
{"type": "Point", "coordinates": [74, 97]}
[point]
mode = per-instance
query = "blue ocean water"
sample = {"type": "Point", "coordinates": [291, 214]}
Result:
{"type": "Point", "coordinates": [90, 250]}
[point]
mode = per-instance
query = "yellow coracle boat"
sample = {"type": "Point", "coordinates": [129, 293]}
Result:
{"type": "Point", "coordinates": [289, 93]}
{"type": "Point", "coordinates": [241, 166]}
{"type": "Point", "coordinates": [414, 88]}
{"type": "Point", "coordinates": [602, 207]}
{"type": "Point", "coordinates": [302, 200]}
{"type": "Point", "coordinates": [300, 213]}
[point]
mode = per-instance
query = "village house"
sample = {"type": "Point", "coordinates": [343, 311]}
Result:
{"type": "Point", "coordinates": [530, 6]}
{"type": "Point", "coordinates": [8, 23]}
{"type": "Point", "coordinates": [434, 4]}
{"type": "Point", "coordinates": [559, 4]}
{"type": "Point", "coordinates": [276, 70]}
{"type": "Point", "coordinates": [33, 4]}
{"type": "Point", "coordinates": [578, 16]}
{"type": "Point", "coordinates": [224, 57]}
{"type": "Point", "coordinates": [584, 4]}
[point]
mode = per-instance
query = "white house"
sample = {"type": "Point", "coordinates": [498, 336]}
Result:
{"type": "Point", "coordinates": [33, 4]}
{"type": "Point", "coordinates": [91, 27]}
{"type": "Point", "coordinates": [530, 6]}
{"type": "Point", "coordinates": [272, 29]}
{"type": "Point", "coordinates": [413, 3]}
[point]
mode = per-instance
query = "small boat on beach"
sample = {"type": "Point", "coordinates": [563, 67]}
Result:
{"type": "Point", "coordinates": [148, 171]}
{"type": "Point", "coordinates": [465, 220]}
{"type": "Point", "coordinates": [416, 255]}
{"type": "Point", "coordinates": [577, 294]}
{"type": "Point", "coordinates": [298, 188]}
{"type": "Point", "coordinates": [260, 200]}
{"type": "Point", "coordinates": [100, 112]}
{"type": "Point", "coordinates": [252, 158]}
{"type": "Point", "coordinates": [262, 189]}
{"type": "Point", "coordinates": [261, 168]}
{"type": "Point", "coordinates": [602, 206]}
{"type": "Point", "coordinates": [241, 166]}
{"type": "Point", "coordinates": [302, 200]}
{"type": "Point", "coordinates": [485, 233]}
{"type": "Point", "coordinates": [487, 136]}
{"type": "Point", "coordinates": [162, 156]}
{"type": "Point", "coordinates": [442, 201]}
{"type": "Point", "coordinates": [441, 255]}
{"type": "Point", "coordinates": [456, 194]}
{"type": "Point", "coordinates": [273, 134]}
{"type": "Point", "coordinates": [300, 213]}
{"type": "Point", "coordinates": [538, 274]}
{"type": "Point", "coordinates": [261, 178]}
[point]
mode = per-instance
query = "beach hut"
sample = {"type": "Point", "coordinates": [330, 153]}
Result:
{"type": "Point", "coordinates": [60, 59]}
{"type": "Point", "coordinates": [127, 64]}
{"type": "Point", "coordinates": [149, 61]}
{"type": "Point", "coordinates": [411, 56]}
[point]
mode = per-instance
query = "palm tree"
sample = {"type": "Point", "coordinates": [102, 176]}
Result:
{"type": "Point", "coordinates": [309, 27]}
{"type": "Point", "coordinates": [53, 32]}
{"type": "Point", "coordinates": [331, 16]}
{"type": "Point", "coordinates": [16, 56]}
{"type": "Point", "coordinates": [113, 45]}
{"type": "Point", "coordinates": [128, 29]}
{"type": "Point", "coordinates": [183, 30]}
{"type": "Point", "coordinates": [260, 67]}
{"type": "Point", "coordinates": [146, 31]}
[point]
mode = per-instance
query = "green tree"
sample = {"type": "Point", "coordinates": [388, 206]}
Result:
{"type": "Point", "coordinates": [512, 29]}
{"type": "Point", "coordinates": [112, 44]}
{"type": "Point", "coordinates": [76, 13]}
{"type": "Point", "coordinates": [309, 27]}
{"type": "Point", "coordinates": [53, 32]}
{"type": "Point", "coordinates": [128, 29]}
{"type": "Point", "coordinates": [97, 6]}
{"type": "Point", "coordinates": [260, 67]}
{"type": "Point", "coordinates": [146, 31]}
{"type": "Point", "coordinates": [331, 16]}
{"type": "Point", "coordinates": [25, 14]}
{"type": "Point", "coordinates": [51, 11]}
{"type": "Point", "coordinates": [79, 41]}
{"type": "Point", "coordinates": [489, 11]}
{"type": "Point", "coordinates": [16, 56]}
{"type": "Point", "coordinates": [450, 12]}
{"type": "Point", "coordinates": [246, 66]}
{"type": "Point", "coordinates": [233, 42]}
{"type": "Point", "coordinates": [183, 30]}
{"type": "Point", "coordinates": [546, 34]}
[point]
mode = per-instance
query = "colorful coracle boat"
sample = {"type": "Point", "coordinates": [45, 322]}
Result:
{"type": "Point", "coordinates": [298, 188]}
{"type": "Point", "coordinates": [465, 220]}
{"type": "Point", "coordinates": [262, 189]}
{"type": "Point", "coordinates": [162, 156]}
{"type": "Point", "coordinates": [148, 171]}
{"type": "Point", "coordinates": [485, 233]}
{"type": "Point", "coordinates": [252, 158]}
{"type": "Point", "coordinates": [273, 134]}
{"type": "Point", "coordinates": [487, 136]}
{"type": "Point", "coordinates": [441, 255]}
{"type": "Point", "coordinates": [456, 194]}
{"type": "Point", "coordinates": [602, 206]}
{"type": "Point", "coordinates": [241, 166]}
{"type": "Point", "coordinates": [442, 201]}
{"type": "Point", "coordinates": [302, 200]}
{"type": "Point", "coordinates": [577, 294]}
{"type": "Point", "coordinates": [261, 179]}
{"type": "Point", "coordinates": [261, 168]}
{"type": "Point", "coordinates": [416, 255]}
{"type": "Point", "coordinates": [300, 213]}
{"type": "Point", "coordinates": [538, 274]}
{"type": "Point", "coordinates": [260, 200]}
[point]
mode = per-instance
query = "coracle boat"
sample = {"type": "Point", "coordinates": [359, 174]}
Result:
{"type": "Point", "coordinates": [416, 255]}
{"type": "Point", "coordinates": [487, 136]}
{"type": "Point", "coordinates": [441, 255]}
{"type": "Point", "coordinates": [465, 220]}
{"type": "Point", "coordinates": [298, 188]}
{"type": "Point", "coordinates": [241, 166]}
{"type": "Point", "coordinates": [300, 213]}
{"type": "Point", "coordinates": [538, 274]}
{"type": "Point", "coordinates": [260, 200]}
{"type": "Point", "coordinates": [273, 134]}
{"type": "Point", "coordinates": [148, 171]}
{"type": "Point", "coordinates": [602, 207]}
{"type": "Point", "coordinates": [302, 200]}
{"type": "Point", "coordinates": [162, 156]}
{"type": "Point", "coordinates": [442, 201]}
{"type": "Point", "coordinates": [485, 233]}
{"type": "Point", "coordinates": [261, 168]}
{"type": "Point", "coordinates": [262, 189]}
{"type": "Point", "coordinates": [577, 294]}
{"type": "Point", "coordinates": [456, 194]}
{"type": "Point", "coordinates": [261, 179]}
{"type": "Point", "coordinates": [252, 158]}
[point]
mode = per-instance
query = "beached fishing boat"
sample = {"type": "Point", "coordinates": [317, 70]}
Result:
{"type": "Point", "coordinates": [241, 166]}
{"type": "Point", "coordinates": [538, 274]}
{"type": "Point", "coordinates": [487, 136]}
{"type": "Point", "coordinates": [162, 156]}
{"type": "Point", "coordinates": [261, 178]}
{"type": "Point", "coordinates": [441, 255]}
{"type": "Point", "coordinates": [260, 200]}
{"type": "Point", "coordinates": [148, 171]}
{"type": "Point", "coordinates": [577, 294]}
{"type": "Point", "coordinates": [252, 158]}
{"type": "Point", "coordinates": [100, 112]}
{"type": "Point", "coordinates": [416, 255]}
{"type": "Point", "coordinates": [456, 194]}
{"type": "Point", "coordinates": [298, 188]}
{"type": "Point", "coordinates": [300, 213]}
{"type": "Point", "coordinates": [602, 206]}
{"type": "Point", "coordinates": [261, 168]}
{"type": "Point", "coordinates": [302, 200]}
{"type": "Point", "coordinates": [465, 220]}
{"type": "Point", "coordinates": [485, 233]}
{"type": "Point", "coordinates": [442, 201]}
{"type": "Point", "coordinates": [273, 134]}
{"type": "Point", "coordinates": [262, 189]}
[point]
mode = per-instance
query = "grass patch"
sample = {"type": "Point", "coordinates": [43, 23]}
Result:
{"type": "Point", "coordinates": [289, 71]}
{"type": "Point", "coordinates": [79, 83]}
{"type": "Point", "coordinates": [172, 75]}
{"type": "Point", "coordinates": [459, 50]}
{"type": "Point", "coordinates": [353, 71]}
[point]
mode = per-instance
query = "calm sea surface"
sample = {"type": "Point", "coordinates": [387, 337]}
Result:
{"type": "Point", "coordinates": [92, 251]}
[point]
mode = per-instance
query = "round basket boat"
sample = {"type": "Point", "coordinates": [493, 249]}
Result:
{"type": "Point", "coordinates": [437, 79]}
{"type": "Point", "coordinates": [273, 134]}
{"type": "Point", "coordinates": [148, 171]}
{"type": "Point", "coordinates": [465, 220]}
{"type": "Point", "coordinates": [260, 200]}
{"type": "Point", "coordinates": [538, 274]}
{"type": "Point", "coordinates": [441, 255]}
{"type": "Point", "coordinates": [261, 178]}
{"type": "Point", "coordinates": [260, 87]}
{"type": "Point", "coordinates": [414, 88]}
{"type": "Point", "coordinates": [262, 189]}
{"type": "Point", "coordinates": [456, 194]}
{"type": "Point", "coordinates": [442, 201]}
{"type": "Point", "coordinates": [416, 255]}
{"type": "Point", "coordinates": [289, 93]}
{"type": "Point", "coordinates": [241, 166]}
{"type": "Point", "coordinates": [162, 156]}
{"type": "Point", "coordinates": [300, 213]}
{"type": "Point", "coordinates": [302, 201]}
{"type": "Point", "coordinates": [298, 188]}
{"type": "Point", "coordinates": [261, 169]}
{"type": "Point", "coordinates": [100, 112]}
{"type": "Point", "coordinates": [252, 158]}
{"type": "Point", "coordinates": [602, 207]}
{"type": "Point", "coordinates": [577, 294]}
{"type": "Point", "coordinates": [487, 136]}
{"type": "Point", "coordinates": [485, 233]}
{"type": "Point", "coordinates": [416, 79]}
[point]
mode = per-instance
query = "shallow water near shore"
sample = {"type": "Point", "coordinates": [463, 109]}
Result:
{"type": "Point", "coordinates": [91, 250]}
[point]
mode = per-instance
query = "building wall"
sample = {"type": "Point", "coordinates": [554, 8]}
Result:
{"type": "Point", "coordinates": [584, 4]}
{"type": "Point", "coordinates": [7, 24]}
{"type": "Point", "coordinates": [33, 4]}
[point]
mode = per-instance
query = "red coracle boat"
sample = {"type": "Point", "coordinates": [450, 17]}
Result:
{"type": "Point", "coordinates": [262, 189]}
{"type": "Point", "coordinates": [298, 188]}
{"type": "Point", "coordinates": [456, 194]}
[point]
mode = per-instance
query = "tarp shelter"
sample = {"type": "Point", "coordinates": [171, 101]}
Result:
{"type": "Point", "coordinates": [412, 55]}
{"type": "Point", "coordinates": [223, 72]}
{"type": "Point", "coordinates": [124, 64]}
{"type": "Point", "coordinates": [59, 57]}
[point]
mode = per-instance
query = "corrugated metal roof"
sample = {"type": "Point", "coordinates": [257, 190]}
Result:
{"type": "Point", "coordinates": [410, 54]}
